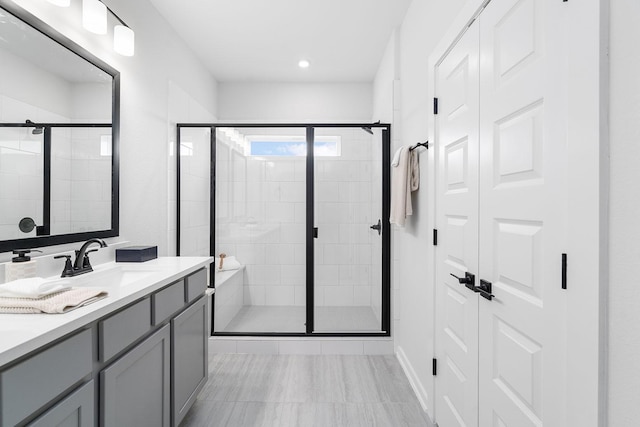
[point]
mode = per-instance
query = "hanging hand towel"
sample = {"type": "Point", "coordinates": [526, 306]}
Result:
{"type": "Point", "coordinates": [405, 178]}
{"type": "Point", "coordinates": [60, 302]}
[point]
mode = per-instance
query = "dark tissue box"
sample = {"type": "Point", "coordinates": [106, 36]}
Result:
{"type": "Point", "coordinates": [136, 253]}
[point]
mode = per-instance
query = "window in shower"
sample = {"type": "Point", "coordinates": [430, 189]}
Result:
{"type": "Point", "coordinates": [294, 205]}
{"type": "Point", "coordinates": [264, 145]}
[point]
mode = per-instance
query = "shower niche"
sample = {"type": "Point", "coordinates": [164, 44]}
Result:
{"type": "Point", "coordinates": [297, 206]}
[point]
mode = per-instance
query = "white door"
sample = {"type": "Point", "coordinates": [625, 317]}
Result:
{"type": "Point", "coordinates": [457, 222]}
{"type": "Point", "coordinates": [522, 343]}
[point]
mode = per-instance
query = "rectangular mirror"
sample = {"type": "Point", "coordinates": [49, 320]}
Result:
{"type": "Point", "coordinates": [59, 108]}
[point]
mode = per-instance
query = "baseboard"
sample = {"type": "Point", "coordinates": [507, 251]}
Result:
{"type": "Point", "coordinates": [416, 385]}
{"type": "Point", "coordinates": [301, 345]}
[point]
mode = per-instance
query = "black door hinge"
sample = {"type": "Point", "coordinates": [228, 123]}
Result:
{"type": "Point", "coordinates": [435, 237]}
{"type": "Point", "coordinates": [435, 105]}
{"type": "Point", "coordinates": [434, 367]}
{"type": "Point", "coordinates": [564, 271]}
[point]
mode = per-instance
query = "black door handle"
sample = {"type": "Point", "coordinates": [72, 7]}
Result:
{"type": "Point", "coordinates": [485, 290]}
{"type": "Point", "coordinates": [469, 280]}
{"type": "Point", "coordinates": [377, 226]}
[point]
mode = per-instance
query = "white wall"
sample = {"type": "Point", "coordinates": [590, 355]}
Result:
{"type": "Point", "coordinates": [295, 102]}
{"type": "Point", "coordinates": [161, 57]}
{"type": "Point", "coordinates": [406, 60]}
{"type": "Point", "coordinates": [624, 292]}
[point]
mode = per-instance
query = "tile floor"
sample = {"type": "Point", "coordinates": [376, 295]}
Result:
{"type": "Point", "coordinates": [262, 318]}
{"type": "Point", "coordinates": [297, 391]}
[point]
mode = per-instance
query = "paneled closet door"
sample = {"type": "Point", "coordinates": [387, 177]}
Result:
{"type": "Point", "coordinates": [457, 81]}
{"type": "Point", "coordinates": [522, 214]}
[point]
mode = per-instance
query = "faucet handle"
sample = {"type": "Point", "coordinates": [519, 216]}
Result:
{"type": "Point", "coordinates": [68, 267]}
{"type": "Point", "coordinates": [85, 262]}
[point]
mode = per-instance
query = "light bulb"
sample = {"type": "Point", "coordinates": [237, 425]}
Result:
{"type": "Point", "coordinates": [94, 16]}
{"type": "Point", "coordinates": [303, 63]}
{"type": "Point", "coordinates": [123, 40]}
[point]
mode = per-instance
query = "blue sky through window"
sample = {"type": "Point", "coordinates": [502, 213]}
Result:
{"type": "Point", "coordinates": [292, 148]}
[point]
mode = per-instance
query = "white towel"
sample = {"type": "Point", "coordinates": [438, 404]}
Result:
{"type": "Point", "coordinates": [405, 178]}
{"type": "Point", "coordinates": [32, 287]}
{"type": "Point", "coordinates": [396, 157]}
{"type": "Point", "coordinates": [59, 302]}
{"type": "Point", "coordinates": [230, 263]}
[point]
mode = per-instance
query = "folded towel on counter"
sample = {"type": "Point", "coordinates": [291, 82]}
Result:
{"type": "Point", "coordinates": [229, 263]}
{"type": "Point", "coordinates": [59, 302]}
{"type": "Point", "coordinates": [32, 287]}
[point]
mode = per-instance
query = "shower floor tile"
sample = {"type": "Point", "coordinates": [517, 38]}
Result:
{"type": "Point", "coordinates": [292, 319]}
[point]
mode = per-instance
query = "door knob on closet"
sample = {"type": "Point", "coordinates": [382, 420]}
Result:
{"type": "Point", "coordinates": [485, 290]}
{"type": "Point", "coordinates": [469, 280]}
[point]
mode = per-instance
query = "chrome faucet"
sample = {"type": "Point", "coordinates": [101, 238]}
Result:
{"type": "Point", "coordinates": [81, 264]}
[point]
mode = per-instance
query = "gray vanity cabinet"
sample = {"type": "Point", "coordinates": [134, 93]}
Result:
{"type": "Point", "coordinates": [135, 388]}
{"type": "Point", "coordinates": [140, 366]}
{"type": "Point", "coordinates": [76, 410]}
{"type": "Point", "coordinates": [188, 357]}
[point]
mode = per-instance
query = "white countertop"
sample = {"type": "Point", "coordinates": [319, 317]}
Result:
{"type": "Point", "coordinates": [23, 333]}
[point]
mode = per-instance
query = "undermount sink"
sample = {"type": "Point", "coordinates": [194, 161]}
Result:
{"type": "Point", "coordinates": [112, 276]}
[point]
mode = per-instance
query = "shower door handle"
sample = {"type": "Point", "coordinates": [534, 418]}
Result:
{"type": "Point", "coordinates": [378, 227]}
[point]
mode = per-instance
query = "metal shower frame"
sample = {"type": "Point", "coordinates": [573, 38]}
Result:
{"type": "Point", "coordinates": [385, 330]}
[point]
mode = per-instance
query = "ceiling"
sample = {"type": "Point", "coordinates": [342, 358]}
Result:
{"type": "Point", "coordinates": [263, 40]}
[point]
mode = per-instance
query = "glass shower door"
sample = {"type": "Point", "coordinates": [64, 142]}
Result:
{"type": "Point", "coordinates": [348, 247]}
{"type": "Point", "coordinates": [260, 219]}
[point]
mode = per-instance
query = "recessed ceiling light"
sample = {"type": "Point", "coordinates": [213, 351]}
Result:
{"type": "Point", "coordinates": [303, 63]}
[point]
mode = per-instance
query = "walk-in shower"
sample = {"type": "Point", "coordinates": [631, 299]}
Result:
{"type": "Point", "coordinates": [303, 209]}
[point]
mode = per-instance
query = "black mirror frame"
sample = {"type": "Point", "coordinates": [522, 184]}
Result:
{"type": "Point", "coordinates": [42, 241]}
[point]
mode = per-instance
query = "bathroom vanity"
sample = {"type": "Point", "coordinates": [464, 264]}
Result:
{"type": "Point", "coordinates": [135, 358]}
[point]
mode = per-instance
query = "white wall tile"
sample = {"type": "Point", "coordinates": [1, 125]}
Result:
{"type": "Point", "coordinates": [292, 233]}
{"type": "Point", "coordinates": [279, 253]}
{"type": "Point", "coordinates": [338, 295]}
{"type": "Point", "coordinates": [279, 295]}
{"type": "Point", "coordinates": [327, 275]}
{"type": "Point", "coordinates": [263, 275]}
{"type": "Point", "coordinates": [279, 212]}
{"type": "Point", "coordinates": [300, 293]}
{"type": "Point", "coordinates": [292, 192]}
{"type": "Point", "coordinates": [250, 253]}
{"type": "Point", "coordinates": [362, 295]}
{"type": "Point", "coordinates": [254, 295]}
{"type": "Point", "coordinates": [300, 216]}
{"type": "Point", "coordinates": [280, 170]}
{"type": "Point", "coordinates": [293, 275]}
{"type": "Point", "coordinates": [337, 254]}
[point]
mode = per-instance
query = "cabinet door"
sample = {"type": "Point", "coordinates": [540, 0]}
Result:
{"type": "Point", "coordinates": [76, 410]}
{"type": "Point", "coordinates": [135, 388]}
{"type": "Point", "coordinates": [188, 357]}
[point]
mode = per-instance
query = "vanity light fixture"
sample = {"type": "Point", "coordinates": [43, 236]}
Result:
{"type": "Point", "coordinates": [94, 19]}
{"type": "Point", "coordinates": [303, 63]}
{"type": "Point", "coordinates": [61, 3]}
{"type": "Point", "coordinates": [94, 16]}
{"type": "Point", "coordinates": [123, 40]}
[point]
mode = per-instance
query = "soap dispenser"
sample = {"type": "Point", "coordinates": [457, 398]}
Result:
{"type": "Point", "coordinates": [21, 266]}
